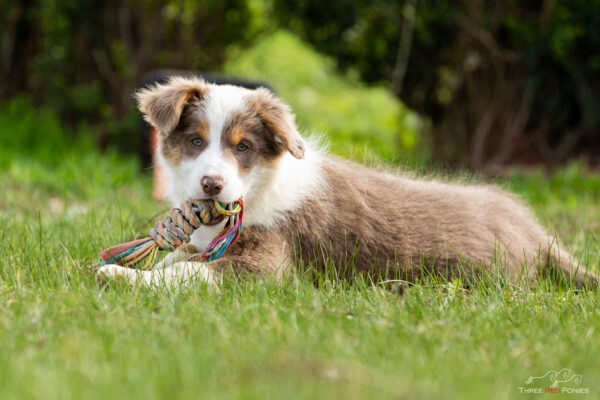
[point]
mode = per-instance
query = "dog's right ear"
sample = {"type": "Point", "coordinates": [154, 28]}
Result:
{"type": "Point", "coordinates": [162, 104]}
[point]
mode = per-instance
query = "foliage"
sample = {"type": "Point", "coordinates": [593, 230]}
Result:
{"type": "Point", "coordinates": [355, 120]}
{"type": "Point", "coordinates": [62, 336]}
{"type": "Point", "coordinates": [502, 81]}
{"type": "Point", "coordinates": [84, 59]}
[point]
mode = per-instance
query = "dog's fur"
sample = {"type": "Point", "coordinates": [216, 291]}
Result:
{"type": "Point", "coordinates": [306, 208]}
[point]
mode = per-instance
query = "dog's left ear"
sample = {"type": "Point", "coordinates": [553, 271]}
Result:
{"type": "Point", "coordinates": [278, 119]}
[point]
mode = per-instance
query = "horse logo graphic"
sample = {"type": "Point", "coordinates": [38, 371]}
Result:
{"type": "Point", "coordinates": [575, 378]}
{"type": "Point", "coordinates": [552, 376]}
{"type": "Point", "coordinates": [564, 381]}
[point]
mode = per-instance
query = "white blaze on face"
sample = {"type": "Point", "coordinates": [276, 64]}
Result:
{"type": "Point", "coordinates": [184, 179]}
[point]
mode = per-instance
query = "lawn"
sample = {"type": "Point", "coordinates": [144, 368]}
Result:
{"type": "Point", "coordinates": [64, 337]}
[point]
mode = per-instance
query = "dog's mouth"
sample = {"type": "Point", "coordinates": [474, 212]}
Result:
{"type": "Point", "coordinates": [215, 220]}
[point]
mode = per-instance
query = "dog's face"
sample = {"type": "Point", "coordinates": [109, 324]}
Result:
{"type": "Point", "coordinates": [218, 142]}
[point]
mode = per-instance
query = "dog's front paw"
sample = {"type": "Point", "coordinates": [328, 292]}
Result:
{"type": "Point", "coordinates": [180, 274]}
{"type": "Point", "coordinates": [113, 273]}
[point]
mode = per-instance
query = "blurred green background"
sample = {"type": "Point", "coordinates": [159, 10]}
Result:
{"type": "Point", "coordinates": [469, 84]}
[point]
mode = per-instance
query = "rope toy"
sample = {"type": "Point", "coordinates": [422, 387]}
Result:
{"type": "Point", "coordinates": [175, 230]}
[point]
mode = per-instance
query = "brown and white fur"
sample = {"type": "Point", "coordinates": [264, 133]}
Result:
{"type": "Point", "coordinates": [307, 208]}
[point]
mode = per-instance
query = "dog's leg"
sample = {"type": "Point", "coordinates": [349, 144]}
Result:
{"type": "Point", "coordinates": [257, 251]}
{"type": "Point", "coordinates": [180, 274]}
{"type": "Point", "coordinates": [175, 257]}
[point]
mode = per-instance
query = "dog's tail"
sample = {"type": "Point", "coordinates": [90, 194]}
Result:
{"type": "Point", "coordinates": [564, 268]}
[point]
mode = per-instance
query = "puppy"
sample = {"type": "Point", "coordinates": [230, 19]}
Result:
{"type": "Point", "coordinates": [305, 209]}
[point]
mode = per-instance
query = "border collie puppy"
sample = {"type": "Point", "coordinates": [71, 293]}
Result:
{"type": "Point", "coordinates": [303, 207]}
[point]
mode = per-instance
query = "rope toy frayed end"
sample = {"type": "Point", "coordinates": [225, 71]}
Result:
{"type": "Point", "coordinates": [176, 230]}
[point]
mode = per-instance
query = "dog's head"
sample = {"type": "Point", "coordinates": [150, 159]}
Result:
{"type": "Point", "coordinates": [218, 142]}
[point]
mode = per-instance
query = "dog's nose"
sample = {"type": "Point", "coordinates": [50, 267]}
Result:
{"type": "Point", "coordinates": [212, 184]}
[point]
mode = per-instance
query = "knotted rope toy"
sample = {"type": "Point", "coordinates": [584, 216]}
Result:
{"type": "Point", "coordinates": [175, 230]}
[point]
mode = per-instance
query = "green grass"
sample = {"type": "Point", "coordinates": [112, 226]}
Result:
{"type": "Point", "coordinates": [63, 337]}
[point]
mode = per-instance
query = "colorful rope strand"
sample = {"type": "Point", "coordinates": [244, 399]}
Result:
{"type": "Point", "coordinates": [175, 230]}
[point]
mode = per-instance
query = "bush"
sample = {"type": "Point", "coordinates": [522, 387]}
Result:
{"type": "Point", "coordinates": [502, 81]}
{"type": "Point", "coordinates": [357, 121]}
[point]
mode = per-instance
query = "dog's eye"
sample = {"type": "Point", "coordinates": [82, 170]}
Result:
{"type": "Point", "coordinates": [241, 147]}
{"type": "Point", "coordinates": [197, 142]}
